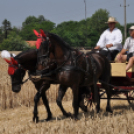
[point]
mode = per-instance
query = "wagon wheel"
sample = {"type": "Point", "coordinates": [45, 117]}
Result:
{"type": "Point", "coordinates": [88, 100]}
{"type": "Point", "coordinates": [130, 95]}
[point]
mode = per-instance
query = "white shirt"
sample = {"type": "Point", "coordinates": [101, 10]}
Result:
{"type": "Point", "coordinates": [108, 37]}
{"type": "Point", "coordinates": [129, 44]}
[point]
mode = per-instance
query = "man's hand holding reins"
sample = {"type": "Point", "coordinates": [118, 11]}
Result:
{"type": "Point", "coordinates": [109, 45]}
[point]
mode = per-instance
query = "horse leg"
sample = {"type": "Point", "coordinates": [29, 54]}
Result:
{"type": "Point", "coordinates": [61, 93]}
{"type": "Point", "coordinates": [45, 101]}
{"type": "Point", "coordinates": [82, 106]}
{"type": "Point", "coordinates": [109, 94]}
{"type": "Point", "coordinates": [98, 101]}
{"type": "Point", "coordinates": [82, 91]}
{"type": "Point", "coordinates": [75, 100]}
{"type": "Point", "coordinates": [96, 93]}
{"type": "Point", "coordinates": [36, 100]}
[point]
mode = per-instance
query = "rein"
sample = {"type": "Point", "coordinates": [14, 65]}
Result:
{"type": "Point", "coordinates": [69, 67]}
{"type": "Point", "coordinates": [47, 56]}
{"type": "Point", "coordinates": [47, 72]}
{"type": "Point", "coordinates": [22, 81]}
{"type": "Point", "coordinates": [57, 69]}
{"type": "Point", "coordinates": [25, 80]}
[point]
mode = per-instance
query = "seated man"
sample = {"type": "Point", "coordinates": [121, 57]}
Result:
{"type": "Point", "coordinates": [129, 45]}
{"type": "Point", "coordinates": [110, 40]}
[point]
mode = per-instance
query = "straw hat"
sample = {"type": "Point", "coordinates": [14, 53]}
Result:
{"type": "Point", "coordinates": [111, 19]}
{"type": "Point", "coordinates": [131, 28]}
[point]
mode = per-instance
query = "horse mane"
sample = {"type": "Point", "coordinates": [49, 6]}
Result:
{"type": "Point", "coordinates": [61, 41]}
{"type": "Point", "coordinates": [23, 52]}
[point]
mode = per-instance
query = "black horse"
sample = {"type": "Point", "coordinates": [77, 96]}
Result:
{"type": "Point", "coordinates": [27, 60]}
{"type": "Point", "coordinates": [73, 68]}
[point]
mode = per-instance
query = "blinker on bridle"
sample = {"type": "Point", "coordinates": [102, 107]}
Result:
{"type": "Point", "coordinates": [46, 56]}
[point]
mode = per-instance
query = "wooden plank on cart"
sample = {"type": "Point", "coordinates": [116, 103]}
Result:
{"type": "Point", "coordinates": [118, 69]}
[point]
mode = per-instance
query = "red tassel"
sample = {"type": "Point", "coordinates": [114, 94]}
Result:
{"type": "Point", "coordinates": [35, 32]}
{"type": "Point", "coordinates": [8, 61]}
{"type": "Point", "coordinates": [14, 61]}
{"type": "Point", "coordinates": [11, 70]}
{"type": "Point", "coordinates": [42, 33]}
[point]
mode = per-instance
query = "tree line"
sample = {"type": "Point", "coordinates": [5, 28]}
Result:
{"type": "Point", "coordinates": [84, 33]}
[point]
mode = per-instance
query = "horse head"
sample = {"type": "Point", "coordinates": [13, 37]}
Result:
{"type": "Point", "coordinates": [18, 65]}
{"type": "Point", "coordinates": [16, 73]}
{"type": "Point", "coordinates": [52, 51]}
{"type": "Point", "coordinates": [44, 53]}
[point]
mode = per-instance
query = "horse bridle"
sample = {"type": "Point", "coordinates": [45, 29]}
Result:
{"type": "Point", "coordinates": [20, 69]}
{"type": "Point", "coordinates": [47, 56]}
{"type": "Point", "coordinates": [44, 56]}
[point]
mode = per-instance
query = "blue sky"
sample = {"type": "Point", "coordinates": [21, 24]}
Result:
{"type": "Point", "coordinates": [58, 11]}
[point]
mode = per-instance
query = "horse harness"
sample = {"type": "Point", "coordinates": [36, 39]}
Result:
{"type": "Point", "coordinates": [72, 66]}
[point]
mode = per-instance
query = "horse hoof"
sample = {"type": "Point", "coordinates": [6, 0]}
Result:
{"type": "Point", "coordinates": [75, 118]}
{"type": "Point", "coordinates": [36, 119]}
{"type": "Point", "coordinates": [109, 110]}
{"type": "Point", "coordinates": [48, 118]}
{"type": "Point", "coordinates": [98, 111]}
{"type": "Point", "coordinates": [85, 109]}
{"type": "Point", "coordinates": [68, 114]}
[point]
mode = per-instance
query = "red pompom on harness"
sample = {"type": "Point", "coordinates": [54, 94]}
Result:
{"type": "Point", "coordinates": [12, 69]}
{"type": "Point", "coordinates": [40, 38]}
{"type": "Point", "coordinates": [13, 66]}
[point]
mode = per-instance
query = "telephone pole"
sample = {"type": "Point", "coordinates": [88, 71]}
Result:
{"type": "Point", "coordinates": [85, 25]}
{"type": "Point", "coordinates": [85, 10]}
{"type": "Point", "coordinates": [125, 20]}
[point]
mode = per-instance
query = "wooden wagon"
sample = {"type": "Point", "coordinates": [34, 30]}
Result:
{"type": "Point", "coordinates": [121, 81]}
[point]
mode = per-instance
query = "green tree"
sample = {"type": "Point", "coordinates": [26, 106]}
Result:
{"type": "Point", "coordinates": [41, 19]}
{"type": "Point", "coordinates": [1, 35]}
{"type": "Point", "coordinates": [68, 31]}
{"type": "Point", "coordinates": [6, 27]}
{"type": "Point", "coordinates": [98, 19]}
{"type": "Point", "coordinates": [16, 30]}
{"type": "Point", "coordinates": [83, 33]}
{"type": "Point", "coordinates": [29, 20]}
{"type": "Point", "coordinates": [13, 43]}
{"type": "Point", "coordinates": [31, 23]}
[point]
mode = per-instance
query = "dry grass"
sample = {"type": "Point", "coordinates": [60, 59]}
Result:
{"type": "Point", "coordinates": [16, 113]}
{"type": "Point", "coordinates": [19, 121]}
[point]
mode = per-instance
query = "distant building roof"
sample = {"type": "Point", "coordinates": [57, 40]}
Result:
{"type": "Point", "coordinates": [31, 43]}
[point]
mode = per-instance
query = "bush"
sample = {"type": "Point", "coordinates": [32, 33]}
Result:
{"type": "Point", "coordinates": [14, 43]}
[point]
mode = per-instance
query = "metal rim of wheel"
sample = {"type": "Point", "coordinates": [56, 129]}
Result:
{"type": "Point", "coordinates": [130, 95]}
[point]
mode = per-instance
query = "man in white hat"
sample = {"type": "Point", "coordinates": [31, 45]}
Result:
{"type": "Point", "coordinates": [128, 47]}
{"type": "Point", "coordinates": [110, 40]}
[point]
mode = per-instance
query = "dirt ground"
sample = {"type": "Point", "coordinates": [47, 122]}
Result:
{"type": "Point", "coordinates": [19, 120]}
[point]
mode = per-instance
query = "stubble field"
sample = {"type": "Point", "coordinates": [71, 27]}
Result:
{"type": "Point", "coordinates": [16, 112]}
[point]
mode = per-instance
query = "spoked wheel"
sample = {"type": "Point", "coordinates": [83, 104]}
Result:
{"type": "Point", "coordinates": [88, 100]}
{"type": "Point", "coordinates": [130, 96]}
